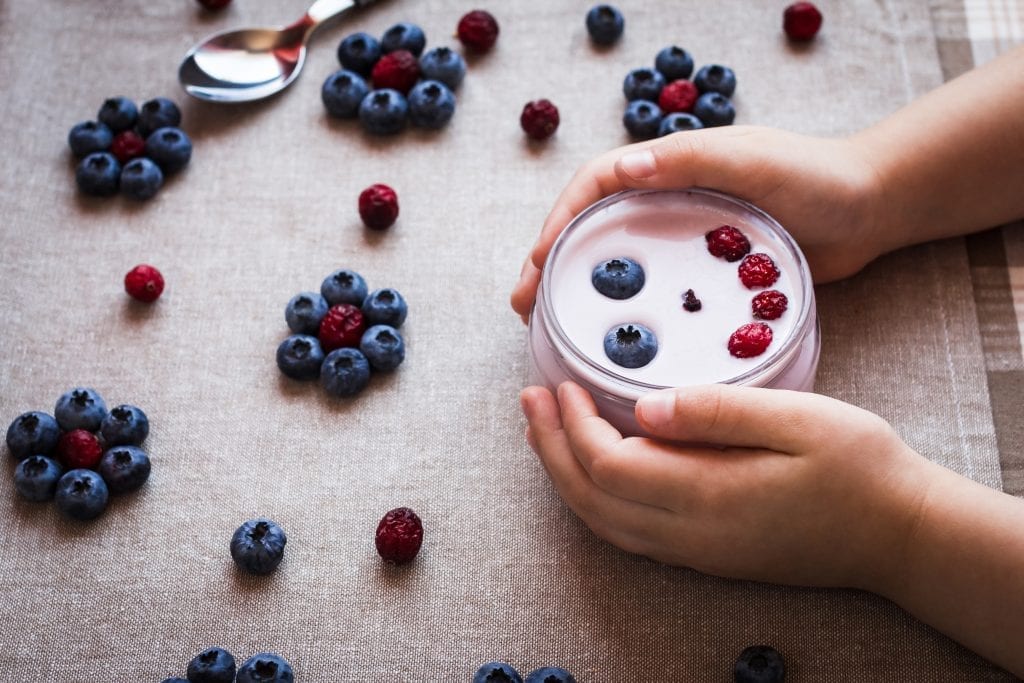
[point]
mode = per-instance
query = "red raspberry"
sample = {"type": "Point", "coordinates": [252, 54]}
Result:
{"type": "Point", "coordinates": [79, 448]}
{"type": "Point", "coordinates": [478, 30]}
{"type": "Point", "coordinates": [690, 301]}
{"type": "Point", "coordinates": [398, 70]}
{"type": "Point", "coordinates": [727, 242]}
{"type": "Point", "coordinates": [750, 340]}
{"type": "Point", "coordinates": [342, 326]}
{"type": "Point", "coordinates": [214, 4]}
{"type": "Point", "coordinates": [127, 145]}
{"type": "Point", "coordinates": [678, 96]}
{"type": "Point", "coordinates": [378, 206]}
{"type": "Point", "coordinates": [399, 536]}
{"type": "Point", "coordinates": [769, 304]}
{"type": "Point", "coordinates": [539, 119]}
{"type": "Point", "coordinates": [801, 21]}
{"type": "Point", "coordinates": [758, 270]}
{"type": "Point", "coordinates": [144, 283]}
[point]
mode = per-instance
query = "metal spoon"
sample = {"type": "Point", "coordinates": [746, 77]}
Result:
{"type": "Point", "coordinates": [253, 63]}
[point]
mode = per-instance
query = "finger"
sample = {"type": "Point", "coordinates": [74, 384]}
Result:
{"type": "Point", "coordinates": [525, 291]}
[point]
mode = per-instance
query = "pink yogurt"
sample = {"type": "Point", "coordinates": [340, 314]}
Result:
{"type": "Point", "coordinates": [663, 231]}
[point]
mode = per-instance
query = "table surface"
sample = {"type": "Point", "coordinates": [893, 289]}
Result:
{"type": "Point", "coordinates": [929, 337]}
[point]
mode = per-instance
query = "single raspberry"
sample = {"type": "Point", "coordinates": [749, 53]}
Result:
{"type": "Point", "coordinates": [398, 70]}
{"type": "Point", "coordinates": [539, 119]}
{"type": "Point", "coordinates": [214, 4]}
{"type": "Point", "coordinates": [769, 304]}
{"type": "Point", "coordinates": [378, 206]}
{"type": "Point", "coordinates": [690, 301]}
{"type": "Point", "coordinates": [144, 283]}
{"type": "Point", "coordinates": [727, 242]}
{"type": "Point", "coordinates": [399, 536]}
{"type": "Point", "coordinates": [127, 145]}
{"type": "Point", "coordinates": [79, 449]}
{"type": "Point", "coordinates": [801, 21]}
{"type": "Point", "coordinates": [342, 326]}
{"type": "Point", "coordinates": [478, 30]}
{"type": "Point", "coordinates": [758, 270]}
{"type": "Point", "coordinates": [678, 96]}
{"type": "Point", "coordinates": [750, 340]}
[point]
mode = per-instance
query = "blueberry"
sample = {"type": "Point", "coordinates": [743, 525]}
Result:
{"type": "Point", "coordinates": [674, 63]}
{"type": "Point", "coordinates": [300, 357]}
{"type": "Point", "coordinates": [431, 104]}
{"type": "Point", "coordinates": [384, 111]}
{"type": "Point", "coordinates": [170, 148]}
{"type": "Point", "coordinates": [81, 494]}
{"type": "Point", "coordinates": [404, 36]}
{"type": "Point", "coordinates": [98, 174]}
{"type": "Point", "coordinates": [385, 307]}
{"type": "Point", "coordinates": [715, 78]}
{"type": "Point", "coordinates": [383, 347]}
{"type": "Point", "coordinates": [445, 65]}
{"type": "Point", "coordinates": [258, 547]}
{"type": "Point", "coordinates": [344, 287]}
{"type": "Point", "coordinates": [124, 468]}
{"type": "Point", "coordinates": [714, 109]}
{"type": "Point", "coordinates": [304, 312]}
{"type": "Point", "coordinates": [345, 372]}
{"type": "Point", "coordinates": [759, 664]}
{"type": "Point", "coordinates": [125, 425]}
{"type": "Point", "coordinates": [630, 345]}
{"type": "Point", "coordinates": [496, 672]}
{"type": "Point", "coordinates": [342, 93]}
{"type": "Point", "coordinates": [80, 408]}
{"type": "Point", "coordinates": [158, 112]}
{"type": "Point", "coordinates": [88, 137]}
{"type": "Point", "coordinates": [118, 113]}
{"type": "Point", "coordinates": [265, 667]}
{"type": "Point", "coordinates": [175, 680]}
{"type": "Point", "coordinates": [32, 433]}
{"type": "Point", "coordinates": [605, 24]}
{"type": "Point", "coordinates": [643, 84]}
{"type": "Point", "coordinates": [618, 278]}
{"type": "Point", "coordinates": [358, 52]}
{"type": "Point", "coordinates": [550, 674]}
{"type": "Point", "coordinates": [141, 178]}
{"type": "Point", "coordinates": [679, 121]}
{"type": "Point", "coordinates": [35, 478]}
{"type": "Point", "coordinates": [642, 119]}
{"type": "Point", "coordinates": [212, 665]}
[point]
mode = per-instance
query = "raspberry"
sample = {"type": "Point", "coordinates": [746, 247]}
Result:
{"type": "Point", "coordinates": [769, 304]}
{"type": "Point", "coordinates": [398, 70]}
{"type": "Point", "coordinates": [750, 340]}
{"type": "Point", "coordinates": [801, 21]}
{"type": "Point", "coordinates": [214, 4]}
{"type": "Point", "coordinates": [399, 536]}
{"type": "Point", "coordinates": [127, 145]}
{"type": "Point", "coordinates": [678, 96]}
{"type": "Point", "coordinates": [144, 283]}
{"type": "Point", "coordinates": [378, 206]}
{"type": "Point", "coordinates": [758, 270]}
{"type": "Point", "coordinates": [727, 242]}
{"type": "Point", "coordinates": [79, 449]}
{"type": "Point", "coordinates": [342, 326]}
{"type": "Point", "coordinates": [539, 119]}
{"type": "Point", "coordinates": [478, 30]}
{"type": "Point", "coordinates": [690, 301]}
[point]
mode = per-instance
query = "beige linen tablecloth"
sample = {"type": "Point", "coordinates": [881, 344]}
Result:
{"type": "Point", "coordinates": [267, 209]}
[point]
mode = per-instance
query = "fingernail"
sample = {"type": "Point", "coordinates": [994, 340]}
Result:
{"type": "Point", "coordinates": [657, 408]}
{"type": "Point", "coordinates": [638, 165]}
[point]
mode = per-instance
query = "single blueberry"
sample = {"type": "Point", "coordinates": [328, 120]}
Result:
{"type": "Point", "coordinates": [32, 433]}
{"type": "Point", "coordinates": [714, 109]}
{"type": "Point", "coordinates": [175, 680]}
{"type": "Point", "coordinates": [550, 674]}
{"type": "Point", "coordinates": [630, 345]}
{"type": "Point", "coordinates": [212, 665]}
{"type": "Point", "coordinates": [345, 372]}
{"type": "Point", "coordinates": [124, 425]}
{"type": "Point", "coordinates": [300, 357]}
{"type": "Point", "coordinates": [358, 52]}
{"type": "Point", "coordinates": [674, 63]}
{"type": "Point", "coordinates": [118, 113]}
{"type": "Point", "coordinates": [445, 65]}
{"type": "Point", "coordinates": [170, 148]}
{"type": "Point", "coordinates": [385, 307]}
{"type": "Point", "coordinates": [679, 121]}
{"type": "Point", "coordinates": [81, 494]}
{"type": "Point", "coordinates": [759, 664]}
{"type": "Point", "coordinates": [643, 84]}
{"type": "Point", "coordinates": [497, 672]}
{"type": "Point", "coordinates": [35, 478]}
{"type": "Point", "coordinates": [642, 119]}
{"type": "Point", "coordinates": [265, 667]}
{"type": "Point", "coordinates": [158, 112]}
{"type": "Point", "coordinates": [98, 174]}
{"type": "Point", "coordinates": [605, 24]}
{"type": "Point", "coordinates": [344, 287]}
{"type": "Point", "coordinates": [304, 312]}
{"type": "Point", "coordinates": [124, 468]}
{"type": "Point", "coordinates": [618, 278]}
{"type": "Point", "coordinates": [715, 78]}
{"type": "Point", "coordinates": [404, 36]}
{"type": "Point", "coordinates": [141, 178]}
{"type": "Point", "coordinates": [88, 137]}
{"type": "Point", "coordinates": [383, 347]}
{"type": "Point", "coordinates": [431, 104]}
{"type": "Point", "coordinates": [258, 547]}
{"type": "Point", "coordinates": [384, 111]}
{"type": "Point", "coordinates": [342, 93]}
{"type": "Point", "coordinates": [80, 408]}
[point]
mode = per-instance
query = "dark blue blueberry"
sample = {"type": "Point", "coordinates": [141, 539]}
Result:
{"type": "Point", "coordinates": [35, 478]}
{"type": "Point", "coordinates": [124, 468]}
{"type": "Point", "coordinates": [605, 24]}
{"type": "Point", "coordinates": [643, 84]}
{"type": "Point", "coordinates": [679, 121]}
{"type": "Point", "coordinates": [618, 278]}
{"type": "Point", "coordinates": [141, 178]}
{"type": "Point", "coordinates": [98, 174]}
{"type": "Point", "coordinates": [32, 433]}
{"type": "Point", "coordinates": [265, 667]}
{"type": "Point", "coordinates": [300, 357]}
{"type": "Point", "coordinates": [403, 36]}
{"type": "Point", "coordinates": [80, 408]}
{"type": "Point", "coordinates": [158, 112]}
{"type": "Point", "coordinates": [714, 109]}
{"type": "Point", "coordinates": [342, 93]}
{"type": "Point", "coordinates": [118, 113]}
{"type": "Point", "coordinates": [175, 680]}
{"type": "Point", "coordinates": [344, 287]}
{"type": "Point", "coordinates": [497, 672]}
{"type": "Point", "coordinates": [642, 119]}
{"type": "Point", "coordinates": [383, 347]}
{"type": "Point", "coordinates": [170, 148]}
{"type": "Point", "coordinates": [358, 52]}
{"type": "Point", "coordinates": [674, 63]}
{"type": "Point", "coordinates": [124, 425]}
{"type": "Point", "coordinates": [88, 137]}
{"type": "Point", "coordinates": [759, 664]}
{"type": "Point", "coordinates": [630, 345]}
{"type": "Point", "coordinates": [304, 312]}
{"type": "Point", "coordinates": [385, 307]}
{"type": "Point", "coordinates": [258, 547]}
{"type": "Point", "coordinates": [81, 494]}
{"type": "Point", "coordinates": [445, 65]}
{"type": "Point", "coordinates": [212, 665]}
{"type": "Point", "coordinates": [431, 104]}
{"type": "Point", "coordinates": [345, 372]}
{"type": "Point", "coordinates": [384, 112]}
{"type": "Point", "coordinates": [550, 674]}
{"type": "Point", "coordinates": [715, 78]}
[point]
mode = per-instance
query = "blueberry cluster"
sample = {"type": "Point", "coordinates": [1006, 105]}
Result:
{"type": "Point", "coordinates": [500, 672]}
{"type": "Point", "coordinates": [343, 333]}
{"type": "Point", "coordinates": [129, 148]}
{"type": "Point", "coordinates": [217, 665]}
{"type": "Point", "coordinates": [391, 82]}
{"type": "Point", "coordinates": [79, 455]}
